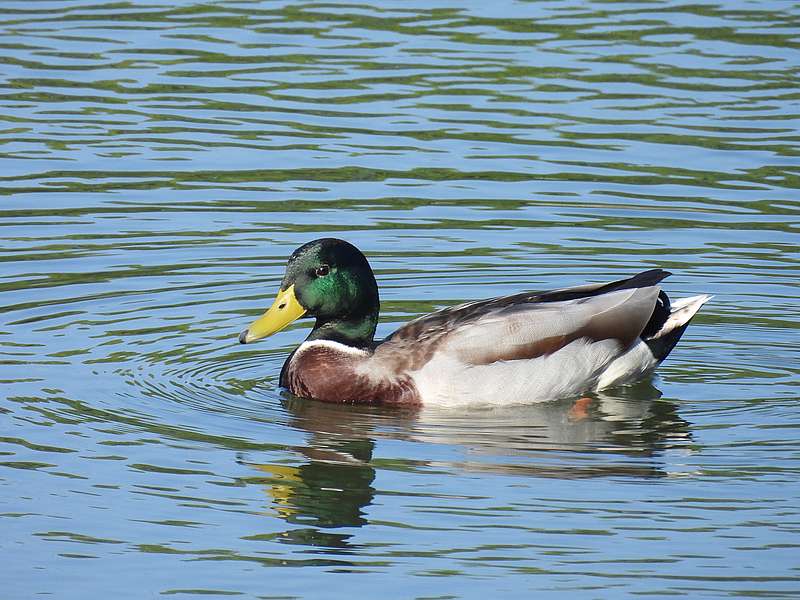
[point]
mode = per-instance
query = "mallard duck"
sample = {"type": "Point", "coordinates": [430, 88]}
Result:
{"type": "Point", "coordinates": [527, 347]}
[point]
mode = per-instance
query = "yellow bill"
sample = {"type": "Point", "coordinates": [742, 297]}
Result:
{"type": "Point", "coordinates": [283, 311]}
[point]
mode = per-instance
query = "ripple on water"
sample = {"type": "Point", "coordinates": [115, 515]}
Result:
{"type": "Point", "coordinates": [208, 383]}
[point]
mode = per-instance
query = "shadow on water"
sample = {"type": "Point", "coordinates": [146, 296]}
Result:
{"type": "Point", "coordinates": [616, 434]}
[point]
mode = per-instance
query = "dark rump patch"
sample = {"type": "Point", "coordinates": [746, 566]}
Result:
{"type": "Point", "coordinates": [662, 345]}
{"type": "Point", "coordinates": [661, 313]}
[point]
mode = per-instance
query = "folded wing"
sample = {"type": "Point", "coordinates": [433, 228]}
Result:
{"type": "Point", "coordinates": [530, 325]}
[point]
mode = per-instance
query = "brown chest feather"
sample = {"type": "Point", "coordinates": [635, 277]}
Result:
{"type": "Point", "coordinates": [330, 375]}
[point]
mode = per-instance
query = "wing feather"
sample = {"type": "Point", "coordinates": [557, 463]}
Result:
{"type": "Point", "coordinates": [532, 330]}
{"type": "Point", "coordinates": [527, 325]}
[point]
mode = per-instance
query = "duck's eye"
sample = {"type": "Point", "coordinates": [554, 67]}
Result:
{"type": "Point", "coordinates": [322, 270]}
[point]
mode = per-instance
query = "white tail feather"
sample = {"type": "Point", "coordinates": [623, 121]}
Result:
{"type": "Point", "coordinates": [639, 359]}
{"type": "Point", "coordinates": [681, 311]}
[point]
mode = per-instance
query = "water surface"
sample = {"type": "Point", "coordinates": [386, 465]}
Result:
{"type": "Point", "coordinates": [159, 162]}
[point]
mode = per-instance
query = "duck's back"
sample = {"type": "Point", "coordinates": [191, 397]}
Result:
{"type": "Point", "coordinates": [521, 348]}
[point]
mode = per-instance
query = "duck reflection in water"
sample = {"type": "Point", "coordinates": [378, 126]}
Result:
{"type": "Point", "coordinates": [331, 489]}
{"type": "Point", "coordinates": [622, 433]}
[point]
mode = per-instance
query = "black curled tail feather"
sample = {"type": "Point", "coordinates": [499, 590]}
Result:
{"type": "Point", "coordinates": [658, 319]}
{"type": "Point", "coordinates": [661, 346]}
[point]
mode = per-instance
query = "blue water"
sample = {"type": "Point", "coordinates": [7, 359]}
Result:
{"type": "Point", "coordinates": [160, 161]}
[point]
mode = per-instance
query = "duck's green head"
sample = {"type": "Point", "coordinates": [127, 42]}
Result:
{"type": "Point", "coordinates": [328, 279]}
